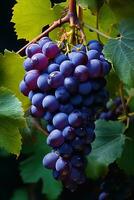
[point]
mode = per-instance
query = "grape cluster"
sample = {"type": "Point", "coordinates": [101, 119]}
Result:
{"type": "Point", "coordinates": [66, 90]}
{"type": "Point", "coordinates": [113, 109]}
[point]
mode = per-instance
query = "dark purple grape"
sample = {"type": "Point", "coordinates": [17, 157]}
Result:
{"type": "Point", "coordinates": [94, 44]}
{"type": "Point", "coordinates": [80, 132]}
{"type": "Point", "coordinates": [67, 68]}
{"type": "Point", "coordinates": [56, 175]}
{"type": "Point", "coordinates": [55, 79]}
{"type": "Point", "coordinates": [65, 151]}
{"type": "Point", "coordinates": [106, 68]}
{"type": "Point", "coordinates": [40, 61]}
{"type": "Point", "coordinates": [66, 108]}
{"type": "Point", "coordinates": [50, 128]}
{"type": "Point", "coordinates": [37, 99]}
{"type": "Point", "coordinates": [75, 118]}
{"type": "Point", "coordinates": [62, 95]}
{"type": "Point", "coordinates": [78, 144]}
{"type": "Point", "coordinates": [55, 138]}
{"type": "Point", "coordinates": [88, 101]}
{"type": "Point", "coordinates": [95, 68]}
{"type": "Point", "coordinates": [43, 41]}
{"type": "Point", "coordinates": [103, 196]}
{"type": "Point", "coordinates": [71, 84]}
{"type": "Point", "coordinates": [31, 79]}
{"type": "Point", "coordinates": [93, 54]}
{"type": "Point", "coordinates": [61, 165]}
{"type": "Point", "coordinates": [53, 67]}
{"type": "Point", "coordinates": [49, 160]}
{"type": "Point", "coordinates": [81, 73]}
{"type": "Point", "coordinates": [69, 133]}
{"type": "Point", "coordinates": [32, 49]}
{"type": "Point", "coordinates": [85, 88]}
{"type": "Point", "coordinates": [36, 112]}
{"type": "Point", "coordinates": [76, 100]}
{"type": "Point", "coordinates": [87, 149]}
{"type": "Point", "coordinates": [78, 58]}
{"type": "Point", "coordinates": [42, 82]}
{"type": "Point", "coordinates": [28, 64]}
{"type": "Point", "coordinates": [60, 121]}
{"type": "Point", "coordinates": [48, 116]}
{"type": "Point", "coordinates": [60, 58]}
{"type": "Point", "coordinates": [50, 49]}
{"type": "Point", "coordinates": [30, 95]}
{"type": "Point", "coordinates": [50, 103]}
{"type": "Point", "coordinates": [24, 88]}
{"type": "Point", "coordinates": [77, 161]}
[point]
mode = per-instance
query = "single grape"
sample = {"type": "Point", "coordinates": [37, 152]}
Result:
{"type": "Point", "coordinates": [85, 88]}
{"type": "Point", "coordinates": [48, 116]}
{"type": "Point", "coordinates": [60, 121]}
{"type": "Point", "coordinates": [90, 135]}
{"type": "Point", "coordinates": [67, 68]}
{"type": "Point", "coordinates": [66, 108]}
{"type": "Point", "coordinates": [31, 94]}
{"type": "Point", "coordinates": [69, 133]}
{"type": "Point", "coordinates": [55, 79]}
{"type": "Point", "coordinates": [60, 58]}
{"type": "Point", "coordinates": [71, 84]}
{"type": "Point", "coordinates": [93, 54]}
{"type": "Point", "coordinates": [77, 161]}
{"type": "Point", "coordinates": [94, 44]}
{"type": "Point", "coordinates": [81, 73]}
{"type": "Point", "coordinates": [31, 79]}
{"type": "Point", "coordinates": [87, 149]}
{"type": "Point", "coordinates": [80, 132]}
{"type": "Point", "coordinates": [55, 138]}
{"type": "Point", "coordinates": [65, 151]}
{"type": "Point", "coordinates": [49, 160]}
{"type": "Point", "coordinates": [95, 68]}
{"type": "Point", "coordinates": [24, 88]}
{"type": "Point", "coordinates": [37, 99]}
{"type": "Point", "coordinates": [78, 144]}
{"type": "Point", "coordinates": [37, 112]}
{"type": "Point", "coordinates": [76, 100]}
{"type": "Point", "coordinates": [53, 67]}
{"type": "Point", "coordinates": [61, 165]}
{"type": "Point", "coordinates": [40, 61]}
{"type": "Point", "coordinates": [103, 196]}
{"type": "Point", "coordinates": [75, 118]}
{"type": "Point", "coordinates": [105, 67]}
{"type": "Point", "coordinates": [28, 64]}
{"type": "Point", "coordinates": [62, 95]}
{"type": "Point", "coordinates": [56, 175]}
{"type": "Point", "coordinates": [50, 49]}
{"type": "Point", "coordinates": [78, 58]}
{"type": "Point", "coordinates": [50, 103]}
{"type": "Point", "coordinates": [32, 49]}
{"type": "Point", "coordinates": [42, 82]}
{"type": "Point", "coordinates": [43, 41]}
{"type": "Point", "coordinates": [50, 128]}
{"type": "Point", "coordinates": [88, 101]}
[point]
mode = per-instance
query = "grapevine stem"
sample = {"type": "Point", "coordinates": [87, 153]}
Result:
{"type": "Point", "coordinates": [55, 24]}
{"type": "Point", "coordinates": [97, 31]}
{"type": "Point", "coordinates": [122, 99]}
{"type": "Point", "coordinates": [38, 126]}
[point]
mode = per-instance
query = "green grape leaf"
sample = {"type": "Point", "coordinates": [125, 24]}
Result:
{"type": "Point", "coordinates": [94, 5]}
{"type": "Point", "coordinates": [32, 169]}
{"type": "Point", "coordinates": [95, 169]}
{"type": "Point", "coordinates": [20, 194]}
{"type": "Point", "coordinates": [120, 52]}
{"type": "Point", "coordinates": [31, 16]}
{"type": "Point", "coordinates": [126, 162]}
{"type": "Point", "coordinates": [113, 88]}
{"type": "Point", "coordinates": [122, 8]}
{"type": "Point", "coordinates": [11, 119]}
{"type": "Point", "coordinates": [109, 141]}
{"type": "Point", "coordinates": [11, 73]}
